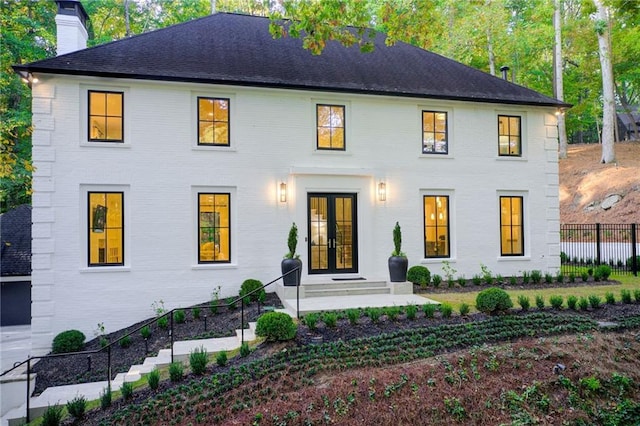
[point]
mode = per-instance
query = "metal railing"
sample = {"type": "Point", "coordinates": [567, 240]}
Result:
{"type": "Point", "coordinates": [168, 314]}
{"type": "Point", "coordinates": [590, 245]}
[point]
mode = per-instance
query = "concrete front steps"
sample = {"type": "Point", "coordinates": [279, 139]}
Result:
{"type": "Point", "coordinates": [60, 395]}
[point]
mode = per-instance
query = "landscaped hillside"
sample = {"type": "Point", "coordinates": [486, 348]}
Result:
{"type": "Point", "coordinates": [585, 183]}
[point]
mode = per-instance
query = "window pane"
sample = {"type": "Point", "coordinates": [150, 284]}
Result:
{"type": "Point", "coordinates": [324, 137]}
{"type": "Point", "coordinates": [106, 234]}
{"type": "Point", "coordinates": [514, 126]}
{"type": "Point", "coordinates": [511, 229]}
{"type": "Point", "coordinates": [428, 121]}
{"type": "Point", "coordinates": [330, 127]}
{"type": "Point", "coordinates": [434, 132]}
{"type": "Point", "coordinates": [105, 116]}
{"type": "Point", "coordinates": [98, 127]}
{"type": "Point", "coordinates": [337, 117]}
{"type": "Point", "coordinates": [221, 110]}
{"type": "Point", "coordinates": [222, 133]}
{"type": "Point", "coordinates": [114, 128]}
{"type": "Point", "coordinates": [114, 104]}
{"type": "Point", "coordinates": [97, 103]}
{"type": "Point", "coordinates": [436, 220]}
{"type": "Point", "coordinates": [337, 138]}
{"type": "Point", "coordinates": [206, 133]}
{"type": "Point", "coordinates": [441, 122]}
{"type": "Point", "coordinates": [214, 228]}
{"type": "Point", "coordinates": [509, 140]}
{"type": "Point", "coordinates": [324, 113]}
{"type": "Point", "coordinates": [205, 109]}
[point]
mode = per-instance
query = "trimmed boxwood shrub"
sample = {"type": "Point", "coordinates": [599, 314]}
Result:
{"type": "Point", "coordinates": [68, 341]}
{"type": "Point", "coordinates": [419, 274]}
{"type": "Point", "coordinates": [493, 300]}
{"type": "Point", "coordinates": [276, 326]}
{"type": "Point", "coordinates": [248, 286]}
{"type": "Point", "coordinates": [602, 272]}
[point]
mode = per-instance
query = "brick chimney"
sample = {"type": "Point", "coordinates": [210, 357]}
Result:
{"type": "Point", "coordinates": [71, 25]}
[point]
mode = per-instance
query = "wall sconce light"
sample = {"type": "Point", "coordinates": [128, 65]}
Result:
{"type": "Point", "coordinates": [283, 192]}
{"type": "Point", "coordinates": [559, 112]}
{"type": "Point", "coordinates": [28, 78]}
{"type": "Point", "coordinates": [382, 191]}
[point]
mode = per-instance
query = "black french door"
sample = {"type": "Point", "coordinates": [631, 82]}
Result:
{"type": "Point", "coordinates": [332, 235]}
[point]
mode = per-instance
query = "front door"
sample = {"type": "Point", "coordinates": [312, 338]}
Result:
{"type": "Point", "coordinates": [332, 235]}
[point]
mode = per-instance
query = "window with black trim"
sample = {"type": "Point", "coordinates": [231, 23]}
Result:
{"type": "Point", "coordinates": [509, 136]}
{"type": "Point", "coordinates": [434, 132]}
{"type": "Point", "coordinates": [436, 226]}
{"type": "Point", "coordinates": [106, 116]}
{"type": "Point", "coordinates": [213, 121]}
{"type": "Point", "coordinates": [214, 228]}
{"type": "Point", "coordinates": [106, 228]}
{"type": "Point", "coordinates": [511, 226]}
{"type": "Point", "coordinates": [330, 127]}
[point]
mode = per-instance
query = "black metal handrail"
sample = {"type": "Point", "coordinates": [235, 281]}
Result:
{"type": "Point", "coordinates": [170, 313]}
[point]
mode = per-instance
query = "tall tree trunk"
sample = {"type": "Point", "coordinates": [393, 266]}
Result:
{"type": "Point", "coordinates": [127, 23]}
{"type": "Point", "coordinates": [603, 28]}
{"type": "Point", "coordinates": [492, 57]}
{"type": "Point", "coordinates": [558, 78]}
{"type": "Point", "coordinates": [213, 6]}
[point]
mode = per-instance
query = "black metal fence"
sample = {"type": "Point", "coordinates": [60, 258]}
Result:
{"type": "Point", "coordinates": [587, 245]}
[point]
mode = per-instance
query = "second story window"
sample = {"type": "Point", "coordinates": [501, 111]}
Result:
{"type": "Point", "coordinates": [509, 139]}
{"type": "Point", "coordinates": [330, 127]}
{"type": "Point", "coordinates": [106, 116]}
{"type": "Point", "coordinates": [434, 133]}
{"type": "Point", "coordinates": [213, 121]}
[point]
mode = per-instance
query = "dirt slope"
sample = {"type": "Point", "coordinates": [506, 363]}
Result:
{"type": "Point", "coordinates": [585, 183]}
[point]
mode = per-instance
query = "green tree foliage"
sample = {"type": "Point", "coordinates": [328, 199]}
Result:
{"type": "Point", "coordinates": [484, 34]}
{"type": "Point", "coordinates": [27, 32]}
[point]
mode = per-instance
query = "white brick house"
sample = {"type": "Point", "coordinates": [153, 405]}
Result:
{"type": "Point", "coordinates": [160, 161]}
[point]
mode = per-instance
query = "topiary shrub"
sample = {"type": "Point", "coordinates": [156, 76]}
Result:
{"type": "Point", "coordinates": [493, 300]}
{"type": "Point", "coordinates": [420, 275]}
{"type": "Point", "coordinates": [276, 326]}
{"type": "Point", "coordinates": [68, 341]}
{"type": "Point", "coordinates": [248, 286]}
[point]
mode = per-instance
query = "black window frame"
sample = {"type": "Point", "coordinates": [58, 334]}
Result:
{"type": "Point", "coordinates": [447, 226]}
{"type": "Point", "coordinates": [91, 228]}
{"type": "Point", "coordinates": [344, 127]}
{"type": "Point", "coordinates": [209, 262]}
{"type": "Point", "coordinates": [198, 121]}
{"type": "Point", "coordinates": [89, 115]}
{"type": "Point", "coordinates": [446, 132]}
{"type": "Point", "coordinates": [509, 135]}
{"type": "Point", "coordinates": [511, 226]}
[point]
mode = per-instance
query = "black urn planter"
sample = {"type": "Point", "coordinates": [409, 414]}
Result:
{"type": "Point", "coordinates": [292, 279]}
{"type": "Point", "coordinates": [398, 268]}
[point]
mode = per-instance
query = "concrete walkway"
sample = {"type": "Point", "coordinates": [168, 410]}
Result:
{"type": "Point", "coordinates": [16, 344]}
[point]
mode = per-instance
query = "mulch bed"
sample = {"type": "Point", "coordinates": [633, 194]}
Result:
{"type": "Point", "coordinates": [74, 369]}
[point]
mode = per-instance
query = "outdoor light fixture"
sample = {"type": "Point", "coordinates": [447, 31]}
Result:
{"type": "Point", "coordinates": [28, 78]}
{"type": "Point", "coordinates": [382, 192]}
{"type": "Point", "coordinates": [283, 192]}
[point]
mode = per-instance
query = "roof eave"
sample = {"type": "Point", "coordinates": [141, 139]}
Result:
{"type": "Point", "coordinates": [289, 86]}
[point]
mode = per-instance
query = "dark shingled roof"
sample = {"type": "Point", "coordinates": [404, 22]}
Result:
{"type": "Point", "coordinates": [15, 251]}
{"type": "Point", "coordinates": [239, 50]}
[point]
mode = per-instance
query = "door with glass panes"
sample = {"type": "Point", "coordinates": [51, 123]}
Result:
{"type": "Point", "coordinates": [332, 235]}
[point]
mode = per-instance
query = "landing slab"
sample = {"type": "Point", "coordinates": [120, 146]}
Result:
{"type": "Point", "coordinates": [318, 304]}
